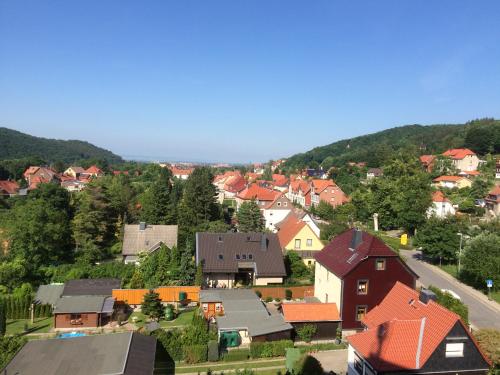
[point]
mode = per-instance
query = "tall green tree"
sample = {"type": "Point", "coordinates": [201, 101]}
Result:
{"type": "Point", "coordinates": [156, 201]}
{"type": "Point", "coordinates": [250, 218]}
{"type": "Point", "coordinates": [481, 260]}
{"type": "Point", "coordinates": [152, 306]}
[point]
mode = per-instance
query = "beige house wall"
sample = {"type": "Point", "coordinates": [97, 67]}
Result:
{"type": "Point", "coordinates": [327, 286]}
{"type": "Point", "coordinates": [268, 280]}
{"type": "Point", "coordinates": [469, 163]}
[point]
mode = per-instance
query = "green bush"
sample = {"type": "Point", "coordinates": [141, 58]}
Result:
{"type": "Point", "coordinates": [320, 347]}
{"type": "Point", "coordinates": [269, 299]}
{"type": "Point", "coordinates": [236, 355]}
{"type": "Point", "coordinates": [451, 303]}
{"type": "Point", "coordinates": [195, 354]}
{"type": "Point", "coordinates": [170, 342]}
{"type": "Point", "coordinates": [288, 294]}
{"type": "Point", "coordinates": [259, 294]}
{"type": "Point", "coordinates": [270, 349]}
{"type": "Point", "coordinates": [307, 332]}
{"type": "Point", "coordinates": [213, 351]}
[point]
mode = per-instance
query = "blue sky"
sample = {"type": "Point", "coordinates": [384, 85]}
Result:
{"type": "Point", "coordinates": [242, 81]}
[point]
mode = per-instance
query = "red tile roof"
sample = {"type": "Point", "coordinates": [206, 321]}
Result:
{"type": "Point", "coordinates": [301, 185]}
{"type": "Point", "coordinates": [310, 312]}
{"type": "Point", "coordinates": [93, 169]}
{"type": "Point", "coordinates": [260, 193]}
{"type": "Point", "coordinates": [448, 178]}
{"type": "Point", "coordinates": [289, 228]}
{"type": "Point", "coordinates": [280, 180]}
{"type": "Point", "coordinates": [253, 176]}
{"type": "Point", "coordinates": [10, 187]}
{"type": "Point", "coordinates": [402, 331]}
{"type": "Point", "coordinates": [338, 258]}
{"type": "Point", "coordinates": [458, 153]}
{"type": "Point", "coordinates": [320, 185]}
{"type": "Point", "coordinates": [235, 184]}
{"type": "Point", "coordinates": [438, 196]}
{"type": "Point", "coordinates": [495, 190]}
{"type": "Point", "coordinates": [181, 171]}
{"type": "Point", "coordinates": [427, 159]}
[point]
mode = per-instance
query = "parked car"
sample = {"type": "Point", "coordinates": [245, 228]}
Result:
{"type": "Point", "coordinates": [452, 293]}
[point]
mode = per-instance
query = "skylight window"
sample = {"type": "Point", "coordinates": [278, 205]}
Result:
{"type": "Point", "coordinates": [351, 259]}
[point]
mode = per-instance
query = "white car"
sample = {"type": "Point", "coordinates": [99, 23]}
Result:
{"type": "Point", "coordinates": [452, 293]}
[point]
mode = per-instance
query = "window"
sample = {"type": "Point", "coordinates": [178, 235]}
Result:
{"type": "Point", "coordinates": [455, 350]}
{"type": "Point", "coordinates": [218, 307]}
{"type": "Point", "coordinates": [309, 262]}
{"type": "Point", "coordinates": [220, 239]}
{"type": "Point", "coordinates": [285, 204]}
{"type": "Point", "coordinates": [237, 256]}
{"type": "Point", "coordinates": [309, 242]}
{"type": "Point", "coordinates": [76, 316]}
{"type": "Point", "coordinates": [360, 312]}
{"type": "Point", "coordinates": [250, 256]}
{"type": "Point", "coordinates": [244, 257]}
{"type": "Point", "coordinates": [297, 244]}
{"type": "Point", "coordinates": [358, 363]}
{"type": "Point", "coordinates": [362, 287]}
{"type": "Point", "coordinates": [221, 257]}
{"type": "Point", "coordinates": [279, 204]}
{"type": "Point", "coordinates": [205, 307]}
{"type": "Point", "coordinates": [380, 264]}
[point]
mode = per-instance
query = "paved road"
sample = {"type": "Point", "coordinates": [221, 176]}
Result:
{"type": "Point", "coordinates": [333, 360]}
{"type": "Point", "coordinates": [482, 313]}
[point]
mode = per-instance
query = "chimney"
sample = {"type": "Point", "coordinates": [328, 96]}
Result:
{"type": "Point", "coordinates": [263, 242]}
{"type": "Point", "coordinates": [357, 238]}
{"type": "Point", "coordinates": [426, 295]}
{"type": "Point", "coordinates": [142, 225]}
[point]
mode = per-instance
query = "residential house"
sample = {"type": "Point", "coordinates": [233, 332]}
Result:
{"type": "Point", "coordinates": [35, 175]}
{"type": "Point", "coordinates": [356, 270]}
{"type": "Point", "coordinates": [463, 159]}
{"type": "Point", "coordinates": [277, 163]}
{"type": "Point", "coordinates": [427, 162]}
{"type": "Point", "coordinates": [324, 316]}
{"type": "Point", "coordinates": [94, 171]}
{"type": "Point", "coordinates": [253, 176]}
{"type": "Point", "coordinates": [295, 234]}
{"type": "Point", "coordinates": [327, 191]}
{"type": "Point", "coordinates": [299, 192]}
{"type": "Point", "coordinates": [74, 172]}
{"type": "Point", "coordinates": [452, 182]}
{"type": "Point", "coordinates": [441, 206]}
{"type": "Point", "coordinates": [181, 173]}
{"type": "Point", "coordinates": [146, 238]}
{"type": "Point", "coordinates": [374, 173]}
{"type": "Point", "coordinates": [493, 201]}
{"type": "Point", "coordinates": [9, 188]}
{"type": "Point", "coordinates": [230, 259]}
{"type": "Point", "coordinates": [85, 303]}
{"type": "Point", "coordinates": [263, 196]}
{"type": "Point", "coordinates": [73, 185]}
{"type": "Point", "coordinates": [469, 174]}
{"type": "Point", "coordinates": [280, 182]}
{"type": "Point", "coordinates": [128, 353]}
{"type": "Point", "coordinates": [276, 211]}
{"type": "Point", "coordinates": [242, 318]}
{"type": "Point", "coordinates": [228, 185]}
{"type": "Point", "coordinates": [409, 333]}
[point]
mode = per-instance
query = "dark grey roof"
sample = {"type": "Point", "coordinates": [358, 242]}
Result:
{"type": "Point", "coordinates": [91, 287]}
{"type": "Point", "coordinates": [84, 304]}
{"type": "Point", "coordinates": [244, 310]}
{"type": "Point", "coordinates": [264, 248]}
{"type": "Point", "coordinates": [136, 240]}
{"type": "Point", "coordinates": [49, 294]}
{"type": "Point", "coordinates": [119, 354]}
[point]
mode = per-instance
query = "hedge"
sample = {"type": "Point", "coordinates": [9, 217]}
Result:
{"type": "Point", "coordinates": [195, 353]}
{"type": "Point", "coordinates": [170, 342]}
{"type": "Point", "coordinates": [270, 349]}
{"type": "Point", "coordinates": [18, 307]}
{"type": "Point", "coordinates": [236, 355]}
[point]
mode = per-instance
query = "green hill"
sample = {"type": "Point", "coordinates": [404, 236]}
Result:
{"type": "Point", "coordinates": [17, 145]}
{"type": "Point", "coordinates": [482, 136]}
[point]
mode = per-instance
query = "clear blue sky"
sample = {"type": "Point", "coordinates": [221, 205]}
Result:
{"type": "Point", "coordinates": [243, 80]}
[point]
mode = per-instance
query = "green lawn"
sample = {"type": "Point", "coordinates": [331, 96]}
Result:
{"type": "Point", "coordinates": [41, 325]}
{"type": "Point", "coordinates": [218, 366]}
{"type": "Point", "coordinates": [184, 318]}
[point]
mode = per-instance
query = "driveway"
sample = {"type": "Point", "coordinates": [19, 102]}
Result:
{"type": "Point", "coordinates": [482, 312]}
{"type": "Point", "coordinates": [333, 360]}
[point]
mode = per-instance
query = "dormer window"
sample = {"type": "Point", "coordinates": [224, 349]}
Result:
{"type": "Point", "coordinates": [221, 257]}
{"type": "Point", "coordinates": [244, 257]}
{"type": "Point", "coordinates": [250, 256]}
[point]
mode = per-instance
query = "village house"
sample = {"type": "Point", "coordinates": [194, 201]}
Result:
{"type": "Point", "coordinates": [9, 188]}
{"type": "Point", "coordinates": [253, 176]}
{"type": "Point", "coordinates": [231, 259]}
{"type": "Point", "coordinates": [228, 185]}
{"type": "Point", "coordinates": [35, 175]}
{"type": "Point", "coordinates": [427, 162]}
{"type": "Point", "coordinates": [327, 191]}
{"type": "Point", "coordinates": [73, 185]}
{"type": "Point", "coordinates": [409, 333]}
{"type": "Point", "coordinates": [263, 196]}
{"type": "Point", "coordinates": [452, 182]}
{"type": "Point", "coordinates": [299, 192]}
{"type": "Point", "coordinates": [180, 173]}
{"type": "Point", "coordinates": [94, 171]}
{"type": "Point", "coordinates": [276, 211]}
{"type": "Point", "coordinates": [295, 234]}
{"type": "Point", "coordinates": [74, 172]}
{"type": "Point", "coordinates": [493, 201]}
{"type": "Point", "coordinates": [242, 318]}
{"type": "Point", "coordinates": [356, 270]}
{"type": "Point", "coordinates": [374, 173]}
{"type": "Point", "coordinates": [463, 159]}
{"type": "Point", "coordinates": [441, 206]}
{"type": "Point", "coordinates": [126, 353]}
{"type": "Point", "coordinates": [280, 182]}
{"type": "Point", "coordinates": [146, 238]}
{"type": "Point", "coordinates": [323, 316]}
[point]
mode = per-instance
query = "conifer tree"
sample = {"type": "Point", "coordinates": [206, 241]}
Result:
{"type": "Point", "coordinates": [151, 306]}
{"type": "Point", "coordinates": [250, 218]}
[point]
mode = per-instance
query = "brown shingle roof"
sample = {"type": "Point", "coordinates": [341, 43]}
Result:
{"type": "Point", "coordinates": [136, 240]}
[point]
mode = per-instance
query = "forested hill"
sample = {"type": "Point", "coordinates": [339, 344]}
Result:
{"type": "Point", "coordinates": [482, 136]}
{"type": "Point", "coordinates": [16, 145]}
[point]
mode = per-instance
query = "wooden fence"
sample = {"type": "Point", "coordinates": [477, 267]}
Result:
{"type": "Point", "coordinates": [167, 294]}
{"type": "Point", "coordinates": [279, 291]}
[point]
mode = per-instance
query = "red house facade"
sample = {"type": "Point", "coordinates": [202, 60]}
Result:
{"type": "Point", "coordinates": [356, 271]}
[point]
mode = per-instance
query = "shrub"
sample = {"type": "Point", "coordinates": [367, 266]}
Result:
{"type": "Point", "coordinates": [307, 332]}
{"type": "Point", "coordinates": [269, 299]}
{"type": "Point", "coordinates": [277, 300]}
{"type": "Point", "coordinates": [236, 355]}
{"type": "Point", "coordinates": [170, 342]}
{"type": "Point", "coordinates": [195, 353]}
{"type": "Point", "coordinates": [451, 303]}
{"type": "Point", "coordinates": [213, 351]}
{"type": "Point", "coordinates": [259, 294]}
{"type": "Point", "coordinates": [270, 348]}
{"type": "Point", "coordinates": [288, 294]}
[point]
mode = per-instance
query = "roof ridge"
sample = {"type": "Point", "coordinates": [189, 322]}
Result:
{"type": "Point", "coordinates": [420, 340]}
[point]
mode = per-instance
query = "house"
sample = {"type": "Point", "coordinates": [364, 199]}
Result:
{"type": "Point", "coordinates": [299, 192]}
{"type": "Point", "coordinates": [9, 188]}
{"type": "Point", "coordinates": [314, 173]}
{"type": "Point", "coordinates": [73, 185]}
{"type": "Point", "coordinates": [229, 259]}
{"type": "Point", "coordinates": [126, 353]}
{"type": "Point", "coordinates": [242, 317]}
{"type": "Point", "coordinates": [409, 333]}
{"type": "Point", "coordinates": [276, 211]}
{"type": "Point", "coordinates": [324, 316]}
{"type": "Point", "coordinates": [254, 176]}
{"type": "Point", "coordinates": [263, 196]}
{"type": "Point", "coordinates": [146, 238]}
{"type": "Point", "coordinates": [427, 162]}
{"type": "Point", "coordinates": [295, 234]}
{"type": "Point", "coordinates": [74, 172]}
{"type": "Point", "coordinates": [327, 191]}
{"type": "Point", "coordinates": [35, 175]}
{"type": "Point", "coordinates": [229, 184]}
{"type": "Point", "coordinates": [452, 182]}
{"type": "Point", "coordinates": [280, 182]}
{"type": "Point", "coordinates": [94, 171]}
{"type": "Point", "coordinates": [463, 159]}
{"type": "Point", "coordinates": [356, 270]}
{"type": "Point", "coordinates": [493, 201]}
{"type": "Point", "coordinates": [181, 173]}
{"type": "Point", "coordinates": [469, 174]}
{"type": "Point", "coordinates": [85, 303]}
{"type": "Point", "coordinates": [374, 173]}
{"type": "Point", "coordinates": [49, 294]}
{"type": "Point", "coordinates": [441, 206]}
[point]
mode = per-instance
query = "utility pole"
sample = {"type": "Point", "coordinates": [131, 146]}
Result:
{"type": "Point", "coordinates": [460, 249]}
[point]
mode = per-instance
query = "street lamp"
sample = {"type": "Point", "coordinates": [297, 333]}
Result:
{"type": "Point", "coordinates": [462, 236]}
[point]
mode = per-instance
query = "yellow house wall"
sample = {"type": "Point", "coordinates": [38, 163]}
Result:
{"type": "Point", "coordinates": [327, 286]}
{"type": "Point", "coordinates": [463, 183]}
{"type": "Point", "coordinates": [304, 234]}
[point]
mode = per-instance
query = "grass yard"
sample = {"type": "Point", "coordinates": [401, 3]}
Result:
{"type": "Point", "coordinates": [221, 366]}
{"type": "Point", "coordinates": [41, 325]}
{"type": "Point", "coordinates": [183, 319]}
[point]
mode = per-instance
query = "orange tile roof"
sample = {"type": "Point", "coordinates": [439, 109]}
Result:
{"type": "Point", "coordinates": [10, 187]}
{"type": "Point", "coordinates": [235, 183]}
{"type": "Point", "coordinates": [260, 193]}
{"type": "Point", "coordinates": [280, 180]}
{"type": "Point", "coordinates": [301, 185]}
{"type": "Point", "coordinates": [448, 178]}
{"type": "Point", "coordinates": [181, 171]}
{"type": "Point", "coordinates": [495, 190]}
{"type": "Point", "coordinates": [310, 312]}
{"type": "Point", "coordinates": [438, 196]}
{"type": "Point", "coordinates": [93, 169]}
{"type": "Point", "coordinates": [289, 228]}
{"type": "Point", "coordinates": [320, 185]}
{"type": "Point", "coordinates": [458, 153]}
{"type": "Point", "coordinates": [396, 326]}
{"type": "Point", "coordinates": [427, 159]}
